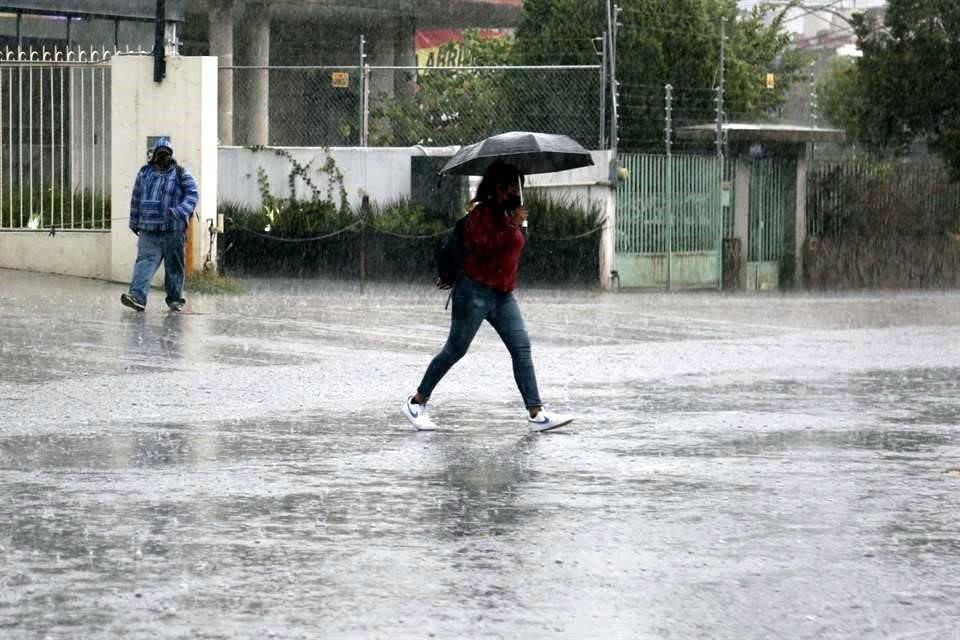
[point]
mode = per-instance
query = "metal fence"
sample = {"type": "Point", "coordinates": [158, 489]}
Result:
{"type": "Point", "coordinates": [54, 139]}
{"type": "Point", "coordinates": [870, 196]}
{"type": "Point", "coordinates": [403, 106]}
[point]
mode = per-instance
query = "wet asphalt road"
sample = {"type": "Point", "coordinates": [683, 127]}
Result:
{"type": "Point", "coordinates": [769, 466]}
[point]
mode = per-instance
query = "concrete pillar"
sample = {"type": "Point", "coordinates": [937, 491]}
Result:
{"type": "Point", "coordinates": [741, 215]}
{"type": "Point", "coordinates": [381, 52]}
{"type": "Point", "coordinates": [405, 55]}
{"type": "Point", "coordinates": [221, 45]}
{"type": "Point", "coordinates": [608, 235]}
{"type": "Point", "coordinates": [184, 107]}
{"type": "Point", "coordinates": [257, 19]}
{"type": "Point", "coordinates": [799, 230]}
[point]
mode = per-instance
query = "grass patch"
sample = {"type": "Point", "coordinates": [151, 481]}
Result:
{"type": "Point", "coordinates": [214, 283]}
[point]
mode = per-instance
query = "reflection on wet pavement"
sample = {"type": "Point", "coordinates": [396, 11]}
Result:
{"type": "Point", "coordinates": [742, 467]}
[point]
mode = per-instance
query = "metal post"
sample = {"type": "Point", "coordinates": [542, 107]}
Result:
{"type": "Point", "coordinates": [613, 12]}
{"type": "Point", "coordinates": [366, 105]}
{"type": "Point", "coordinates": [363, 90]}
{"type": "Point", "coordinates": [365, 216]}
{"type": "Point", "coordinates": [668, 189]}
{"type": "Point", "coordinates": [813, 111]}
{"type": "Point", "coordinates": [159, 47]}
{"type": "Point", "coordinates": [720, 149]}
{"type": "Point", "coordinates": [603, 90]}
{"type": "Point", "coordinates": [720, 87]}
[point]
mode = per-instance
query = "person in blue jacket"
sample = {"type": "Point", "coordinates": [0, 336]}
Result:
{"type": "Point", "coordinates": [164, 197]}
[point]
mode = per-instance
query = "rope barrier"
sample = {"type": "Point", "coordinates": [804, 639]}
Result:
{"type": "Point", "coordinates": [360, 224]}
{"type": "Point", "coordinates": [409, 237]}
{"type": "Point", "coordinates": [312, 239]}
{"type": "Point", "coordinates": [429, 236]}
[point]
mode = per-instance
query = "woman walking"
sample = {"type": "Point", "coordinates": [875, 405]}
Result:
{"type": "Point", "coordinates": [494, 244]}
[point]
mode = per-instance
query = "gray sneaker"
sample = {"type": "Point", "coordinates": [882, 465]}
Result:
{"type": "Point", "coordinates": [176, 305]}
{"type": "Point", "coordinates": [128, 300]}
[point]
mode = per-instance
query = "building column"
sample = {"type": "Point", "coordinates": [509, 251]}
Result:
{"type": "Point", "coordinates": [799, 231]}
{"type": "Point", "coordinates": [405, 55]}
{"type": "Point", "coordinates": [380, 53]}
{"type": "Point", "coordinates": [221, 45]}
{"type": "Point", "coordinates": [741, 215]}
{"type": "Point", "coordinates": [257, 18]}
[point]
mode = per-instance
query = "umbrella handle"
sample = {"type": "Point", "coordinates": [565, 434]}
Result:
{"type": "Point", "coordinates": [520, 186]}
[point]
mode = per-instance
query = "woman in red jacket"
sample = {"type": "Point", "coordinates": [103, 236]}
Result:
{"type": "Point", "coordinates": [484, 291]}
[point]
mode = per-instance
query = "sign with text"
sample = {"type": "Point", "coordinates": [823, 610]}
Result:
{"type": "Point", "coordinates": [444, 47]}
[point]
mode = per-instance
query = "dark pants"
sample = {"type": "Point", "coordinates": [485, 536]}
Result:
{"type": "Point", "coordinates": [472, 304]}
{"type": "Point", "coordinates": [154, 247]}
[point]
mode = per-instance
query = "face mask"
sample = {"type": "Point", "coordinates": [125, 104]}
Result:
{"type": "Point", "coordinates": [164, 161]}
{"type": "Point", "coordinates": [511, 202]}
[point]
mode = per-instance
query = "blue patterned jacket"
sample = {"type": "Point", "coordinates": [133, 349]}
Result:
{"type": "Point", "coordinates": [162, 200]}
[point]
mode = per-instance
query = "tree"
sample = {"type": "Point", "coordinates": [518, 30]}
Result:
{"type": "Point", "coordinates": [450, 106]}
{"type": "Point", "coordinates": [906, 87]}
{"type": "Point", "coordinates": [675, 42]}
{"type": "Point", "coordinates": [840, 98]}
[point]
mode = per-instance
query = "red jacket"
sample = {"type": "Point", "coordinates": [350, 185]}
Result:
{"type": "Point", "coordinates": [494, 247]}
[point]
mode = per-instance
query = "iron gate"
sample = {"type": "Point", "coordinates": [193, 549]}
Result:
{"type": "Point", "coordinates": [669, 221]}
{"type": "Point", "coordinates": [55, 139]}
{"type": "Point", "coordinates": [771, 191]}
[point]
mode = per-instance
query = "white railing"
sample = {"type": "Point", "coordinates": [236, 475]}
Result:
{"type": "Point", "coordinates": [55, 139]}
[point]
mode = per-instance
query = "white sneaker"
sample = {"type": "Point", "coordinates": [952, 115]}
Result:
{"type": "Point", "coordinates": [545, 421]}
{"type": "Point", "coordinates": [418, 415]}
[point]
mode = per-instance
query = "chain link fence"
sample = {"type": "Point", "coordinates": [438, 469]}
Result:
{"type": "Point", "coordinates": [403, 106]}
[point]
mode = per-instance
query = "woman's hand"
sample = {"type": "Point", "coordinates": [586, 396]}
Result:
{"type": "Point", "coordinates": [519, 216]}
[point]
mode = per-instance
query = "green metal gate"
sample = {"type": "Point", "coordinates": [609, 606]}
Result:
{"type": "Point", "coordinates": [771, 190]}
{"type": "Point", "coordinates": [669, 221]}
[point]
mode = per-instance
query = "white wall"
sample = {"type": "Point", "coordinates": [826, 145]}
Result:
{"type": "Point", "coordinates": [184, 107]}
{"type": "Point", "coordinates": [382, 172]}
{"type": "Point", "coordinates": [75, 253]}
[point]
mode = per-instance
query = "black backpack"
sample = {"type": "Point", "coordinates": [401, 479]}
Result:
{"type": "Point", "coordinates": [450, 256]}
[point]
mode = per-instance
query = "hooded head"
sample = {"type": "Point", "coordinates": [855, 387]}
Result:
{"type": "Point", "coordinates": [162, 153]}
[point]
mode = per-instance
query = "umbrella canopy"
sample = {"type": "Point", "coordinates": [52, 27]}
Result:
{"type": "Point", "coordinates": [530, 152]}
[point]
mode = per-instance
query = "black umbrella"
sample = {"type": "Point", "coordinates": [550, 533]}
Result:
{"type": "Point", "coordinates": [530, 152]}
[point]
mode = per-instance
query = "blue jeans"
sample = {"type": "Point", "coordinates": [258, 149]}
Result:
{"type": "Point", "coordinates": [154, 247]}
{"type": "Point", "coordinates": [472, 304]}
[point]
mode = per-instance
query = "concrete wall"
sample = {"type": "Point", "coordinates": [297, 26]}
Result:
{"type": "Point", "coordinates": [184, 107]}
{"type": "Point", "coordinates": [75, 253]}
{"type": "Point", "coordinates": [384, 174]}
